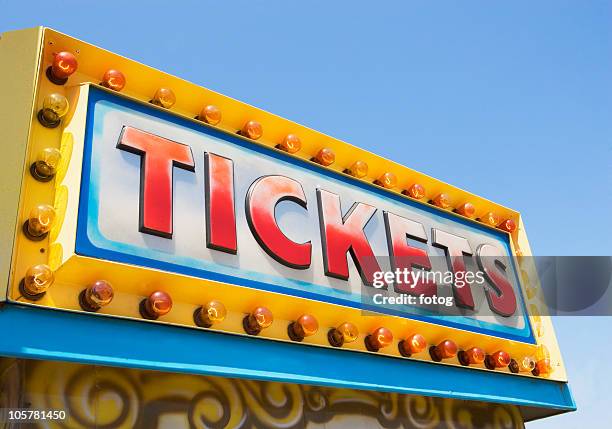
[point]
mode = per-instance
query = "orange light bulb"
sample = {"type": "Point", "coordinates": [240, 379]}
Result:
{"type": "Point", "coordinates": [508, 225]}
{"type": "Point", "coordinates": [45, 166]}
{"type": "Point", "coordinates": [210, 313]}
{"type": "Point", "coordinates": [380, 338]}
{"type": "Point", "coordinates": [359, 169]}
{"type": "Point", "coordinates": [414, 344]}
{"type": "Point", "coordinates": [305, 326]}
{"type": "Point", "coordinates": [291, 143]}
{"type": "Point", "coordinates": [472, 356]}
{"type": "Point", "coordinates": [164, 97]}
{"type": "Point", "coordinates": [252, 129]}
{"type": "Point", "coordinates": [499, 359]}
{"type": "Point", "coordinates": [467, 210]}
{"type": "Point", "coordinates": [158, 304]}
{"type": "Point", "coordinates": [447, 349]}
{"type": "Point", "coordinates": [39, 222]}
{"type": "Point", "coordinates": [388, 180]}
{"type": "Point", "coordinates": [36, 282]}
{"type": "Point", "coordinates": [490, 218]}
{"type": "Point", "coordinates": [113, 79]}
{"type": "Point", "coordinates": [63, 66]}
{"type": "Point", "coordinates": [210, 114]}
{"type": "Point", "coordinates": [416, 191]}
{"type": "Point", "coordinates": [442, 201]}
{"type": "Point", "coordinates": [542, 367]}
{"type": "Point", "coordinates": [260, 318]}
{"type": "Point", "coordinates": [96, 295]}
{"type": "Point", "coordinates": [345, 333]}
{"type": "Point", "coordinates": [325, 157]}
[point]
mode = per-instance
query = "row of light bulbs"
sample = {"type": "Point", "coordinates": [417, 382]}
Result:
{"type": "Point", "coordinates": [55, 107]}
{"type": "Point", "coordinates": [39, 278]}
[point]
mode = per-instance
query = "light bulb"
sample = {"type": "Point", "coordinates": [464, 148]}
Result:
{"type": "Point", "coordinates": [325, 157]}
{"type": "Point", "coordinates": [447, 349]}
{"type": "Point", "coordinates": [388, 180]}
{"type": "Point", "coordinates": [96, 295]}
{"type": "Point", "coordinates": [490, 219]}
{"type": "Point", "coordinates": [40, 222]}
{"type": "Point", "coordinates": [158, 304]}
{"type": "Point", "coordinates": [414, 344]}
{"type": "Point", "coordinates": [64, 65]}
{"type": "Point", "coordinates": [210, 114]}
{"type": "Point", "coordinates": [442, 201]}
{"type": "Point", "coordinates": [210, 313]}
{"type": "Point", "coordinates": [55, 107]}
{"type": "Point", "coordinates": [260, 318]}
{"type": "Point", "coordinates": [291, 143]}
{"type": "Point", "coordinates": [466, 209]}
{"type": "Point", "coordinates": [305, 326]}
{"type": "Point", "coordinates": [164, 97]}
{"type": "Point", "coordinates": [472, 356]}
{"type": "Point", "coordinates": [45, 166]}
{"type": "Point", "coordinates": [542, 367]}
{"type": "Point", "coordinates": [416, 191]}
{"type": "Point", "coordinates": [252, 129]}
{"type": "Point", "coordinates": [359, 169]}
{"type": "Point", "coordinates": [36, 282]}
{"type": "Point", "coordinates": [499, 359]}
{"type": "Point", "coordinates": [508, 225]}
{"type": "Point", "coordinates": [526, 364]}
{"type": "Point", "coordinates": [345, 333]}
{"type": "Point", "coordinates": [113, 79]}
{"type": "Point", "coordinates": [380, 338]}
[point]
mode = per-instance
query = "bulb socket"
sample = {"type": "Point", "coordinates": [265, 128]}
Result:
{"type": "Point", "coordinates": [48, 118]}
{"type": "Point", "coordinates": [54, 79]}
{"type": "Point", "coordinates": [335, 338]}
{"type": "Point", "coordinates": [85, 304]}
{"type": "Point", "coordinates": [401, 346]}
{"type": "Point", "coordinates": [28, 233]}
{"type": "Point", "coordinates": [514, 367]}
{"type": "Point", "coordinates": [370, 344]}
{"type": "Point", "coordinates": [28, 295]}
{"type": "Point", "coordinates": [35, 171]}
{"type": "Point", "coordinates": [250, 325]}
{"type": "Point", "coordinates": [293, 331]}
{"type": "Point", "coordinates": [200, 320]}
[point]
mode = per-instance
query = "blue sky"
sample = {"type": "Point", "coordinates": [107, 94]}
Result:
{"type": "Point", "coordinates": [509, 100]}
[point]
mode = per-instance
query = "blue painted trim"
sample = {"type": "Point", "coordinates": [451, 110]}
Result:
{"type": "Point", "coordinates": [40, 333]}
{"type": "Point", "coordinates": [85, 247]}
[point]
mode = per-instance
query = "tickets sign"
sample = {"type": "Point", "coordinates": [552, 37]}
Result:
{"type": "Point", "coordinates": [168, 193]}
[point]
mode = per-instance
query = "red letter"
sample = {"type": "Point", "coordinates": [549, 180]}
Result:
{"type": "Point", "coordinates": [340, 235]}
{"type": "Point", "coordinates": [261, 200]}
{"type": "Point", "coordinates": [502, 299]}
{"type": "Point", "coordinates": [404, 256]}
{"type": "Point", "coordinates": [220, 212]}
{"type": "Point", "coordinates": [456, 247]}
{"type": "Point", "coordinates": [158, 156]}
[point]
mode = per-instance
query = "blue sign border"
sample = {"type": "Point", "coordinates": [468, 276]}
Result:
{"type": "Point", "coordinates": [85, 247]}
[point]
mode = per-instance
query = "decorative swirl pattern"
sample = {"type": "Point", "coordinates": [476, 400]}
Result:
{"type": "Point", "coordinates": [421, 412]}
{"type": "Point", "coordinates": [111, 398]}
{"type": "Point", "coordinates": [103, 397]}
